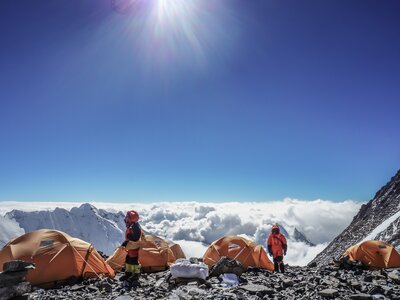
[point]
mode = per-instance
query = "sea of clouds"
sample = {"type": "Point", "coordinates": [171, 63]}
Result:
{"type": "Point", "coordinates": [195, 225]}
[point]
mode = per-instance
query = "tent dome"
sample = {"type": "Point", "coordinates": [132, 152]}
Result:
{"type": "Point", "coordinates": [57, 257]}
{"type": "Point", "coordinates": [155, 254]}
{"type": "Point", "coordinates": [248, 253]}
{"type": "Point", "coordinates": [374, 254]}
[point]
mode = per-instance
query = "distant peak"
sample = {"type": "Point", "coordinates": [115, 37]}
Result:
{"type": "Point", "coordinates": [88, 206]}
{"type": "Point", "coordinates": [301, 237]}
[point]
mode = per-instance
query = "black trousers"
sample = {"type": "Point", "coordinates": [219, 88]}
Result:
{"type": "Point", "coordinates": [132, 260]}
{"type": "Point", "coordinates": [278, 264]}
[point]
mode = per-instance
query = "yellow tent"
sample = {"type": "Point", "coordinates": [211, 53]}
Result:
{"type": "Point", "coordinates": [155, 254]}
{"type": "Point", "coordinates": [374, 254]}
{"type": "Point", "coordinates": [248, 253]}
{"type": "Point", "coordinates": [57, 257]}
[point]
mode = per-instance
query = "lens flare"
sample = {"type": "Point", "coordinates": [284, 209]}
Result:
{"type": "Point", "coordinates": [179, 31]}
{"type": "Point", "coordinates": [178, 26]}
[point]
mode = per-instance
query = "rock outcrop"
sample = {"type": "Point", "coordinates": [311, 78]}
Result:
{"type": "Point", "coordinates": [13, 279]}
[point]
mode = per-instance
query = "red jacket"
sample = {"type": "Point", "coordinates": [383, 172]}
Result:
{"type": "Point", "coordinates": [277, 244]}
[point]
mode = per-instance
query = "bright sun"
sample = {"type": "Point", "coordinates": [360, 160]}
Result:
{"type": "Point", "coordinates": [171, 30]}
{"type": "Point", "coordinates": [179, 21]}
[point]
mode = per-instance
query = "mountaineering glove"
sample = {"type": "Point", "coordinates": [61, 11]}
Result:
{"type": "Point", "coordinates": [270, 250]}
{"type": "Point", "coordinates": [124, 244]}
{"type": "Point", "coordinates": [284, 253]}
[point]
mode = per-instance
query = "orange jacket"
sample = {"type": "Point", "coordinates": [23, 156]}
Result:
{"type": "Point", "coordinates": [277, 244]}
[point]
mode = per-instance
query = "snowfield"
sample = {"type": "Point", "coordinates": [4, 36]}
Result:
{"type": "Point", "coordinates": [194, 225]}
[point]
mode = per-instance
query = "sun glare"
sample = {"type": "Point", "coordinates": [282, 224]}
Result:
{"type": "Point", "coordinates": [176, 30]}
{"type": "Point", "coordinates": [177, 25]}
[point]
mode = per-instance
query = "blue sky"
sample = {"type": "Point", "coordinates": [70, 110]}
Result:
{"type": "Point", "coordinates": [234, 100]}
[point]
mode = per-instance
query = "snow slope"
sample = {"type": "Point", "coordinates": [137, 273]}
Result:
{"type": "Point", "coordinates": [382, 227]}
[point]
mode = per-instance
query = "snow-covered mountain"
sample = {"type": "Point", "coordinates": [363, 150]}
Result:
{"type": "Point", "coordinates": [9, 229]}
{"type": "Point", "coordinates": [300, 237]}
{"type": "Point", "coordinates": [193, 225]}
{"type": "Point", "coordinates": [103, 229]}
{"type": "Point", "coordinates": [379, 219]}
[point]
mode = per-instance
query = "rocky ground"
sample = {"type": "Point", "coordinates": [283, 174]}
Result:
{"type": "Point", "coordinates": [297, 283]}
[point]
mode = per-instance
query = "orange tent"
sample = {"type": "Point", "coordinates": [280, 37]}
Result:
{"type": "Point", "coordinates": [155, 254]}
{"type": "Point", "coordinates": [374, 254]}
{"type": "Point", "coordinates": [57, 257]}
{"type": "Point", "coordinates": [176, 250]}
{"type": "Point", "coordinates": [245, 251]}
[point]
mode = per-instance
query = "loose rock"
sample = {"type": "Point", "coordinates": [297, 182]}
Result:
{"type": "Point", "coordinates": [297, 283]}
{"type": "Point", "coordinates": [17, 265]}
{"type": "Point", "coordinates": [256, 289]}
{"type": "Point", "coordinates": [361, 297]}
{"type": "Point", "coordinates": [329, 293]}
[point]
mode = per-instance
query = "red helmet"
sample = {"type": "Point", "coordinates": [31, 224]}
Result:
{"type": "Point", "coordinates": [131, 217]}
{"type": "Point", "coordinates": [275, 229]}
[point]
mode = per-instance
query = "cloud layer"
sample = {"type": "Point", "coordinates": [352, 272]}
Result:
{"type": "Point", "coordinates": [9, 229]}
{"type": "Point", "coordinates": [196, 225]}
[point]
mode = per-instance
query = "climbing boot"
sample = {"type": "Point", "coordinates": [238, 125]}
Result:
{"type": "Point", "coordinates": [125, 276]}
{"type": "Point", "coordinates": [129, 270]}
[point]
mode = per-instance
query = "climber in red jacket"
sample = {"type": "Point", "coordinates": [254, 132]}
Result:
{"type": "Point", "coordinates": [277, 247]}
{"type": "Point", "coordinates": [133, 233]}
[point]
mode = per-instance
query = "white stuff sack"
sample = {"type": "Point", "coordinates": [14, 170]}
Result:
{"type": "Point", "coordinates": [183, 268]}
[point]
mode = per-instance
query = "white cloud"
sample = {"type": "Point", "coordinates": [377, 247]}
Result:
{"type": "Point", "coordinates": [9, 229]}
{"type": "Point", "coordinates": [199, 224]}
{"type": "Point", "coordinates": [220, 224]}
{"type": "Point", "coordinates": [301, 254]}
{"type": "Point", "coordinates": [192, 248]}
